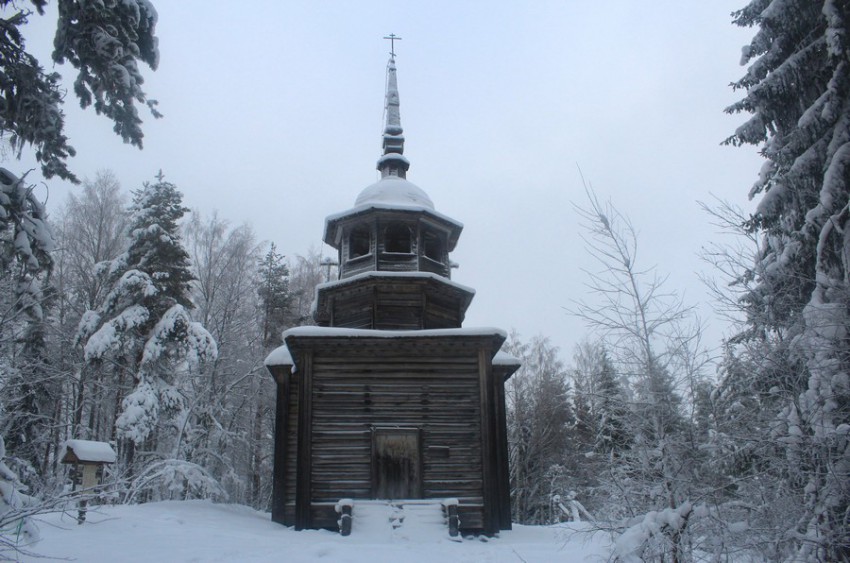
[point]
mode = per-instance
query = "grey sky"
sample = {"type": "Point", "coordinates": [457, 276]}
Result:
{"type": "Point", "coordinates": [273, 116]}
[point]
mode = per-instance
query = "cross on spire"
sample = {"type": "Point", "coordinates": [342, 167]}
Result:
{"type": "Point", "coordinates": [393, 38]}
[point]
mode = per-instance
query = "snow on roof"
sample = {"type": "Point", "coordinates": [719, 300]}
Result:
{"type": "Point", "coordinates": [326, 331]}
{"type": "Point", "coordinates": [386, 274]}
{"type": "Point", "coordinates": [392, 194]}
{"type": "Point", "coordinates": [504, 359]}
{"type": "Point", "coordinates": [393, 156]}
{"type": "Point", "coordinates": [280, 356]}
{"type": "Point", "coordinates": [393, 190]}
{"type": "Point", "coordinates": [89, 450]}
{"type": "Point", "coordinates": [357, 209]}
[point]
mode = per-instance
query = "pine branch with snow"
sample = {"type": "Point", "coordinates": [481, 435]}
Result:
{"type": "Point", "coordinates": [26, 242]}
{"type": "Point", "coordinates": [104, 40]}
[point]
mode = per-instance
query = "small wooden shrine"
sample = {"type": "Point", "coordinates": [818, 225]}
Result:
{"type": "Point", "coordinates": [87, 458]}
{"type": "Point", "coordinates": [389, 397]}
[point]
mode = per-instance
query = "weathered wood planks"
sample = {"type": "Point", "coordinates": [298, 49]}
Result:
{"type": "Point", "coordinates": [347, 388]}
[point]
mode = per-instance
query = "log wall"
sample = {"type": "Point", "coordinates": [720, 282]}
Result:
{"type": "Point", "coordinates": [384, 305]}
{"type": "Point", "coordinates": [345, 388]}
{"type": "Point", "coordinates": [359, 265]}
{"type": "Point", "coordinates": [353, 395]}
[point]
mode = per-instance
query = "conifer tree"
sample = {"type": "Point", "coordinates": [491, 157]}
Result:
{"type": "Point", "coordinates": [155, 245]}
{"type": "Point", "coordinates": [26, 242]}
{"type": "Point", "coordinates": [601, 404]}
{"type": "Point", "coordinates": [540, 419]}
{"type": "Point", "coordinates": [104, 41]}
{"type": "Point", "coordinates": [275, 298]}
{"type": "Point", "coordinates": [31, 394]}
{"type": "Point", "coordinates": [797, 88]}
{"type": "Point", "coordinates": [27, 396]}
{"type": "Point", "coordinates": [143, 325]}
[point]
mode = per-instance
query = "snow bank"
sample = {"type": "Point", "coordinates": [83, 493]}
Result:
{"type": "Point", "coordinates": [204, 531]}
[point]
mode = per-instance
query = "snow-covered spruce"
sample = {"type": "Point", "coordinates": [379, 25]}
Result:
{"type": "Point", "coordinates": [143, 324]}
{"type": "Point", "coordinates": [175, 347]}
{"type": "Point", "coordinates": [794, 350]}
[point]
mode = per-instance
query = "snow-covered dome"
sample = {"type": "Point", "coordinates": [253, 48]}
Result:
{"type": "Point", "coordinates": [392, 190]}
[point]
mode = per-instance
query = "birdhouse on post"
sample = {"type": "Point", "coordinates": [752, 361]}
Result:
{"type": "Point", "coordinates": [88, 458]}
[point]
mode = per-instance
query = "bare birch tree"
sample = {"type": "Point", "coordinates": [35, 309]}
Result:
{"type": "Point", "coordinates": [647, 328]}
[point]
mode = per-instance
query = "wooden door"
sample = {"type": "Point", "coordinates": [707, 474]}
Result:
{"type": "Point", "coordinates": [396, 463]}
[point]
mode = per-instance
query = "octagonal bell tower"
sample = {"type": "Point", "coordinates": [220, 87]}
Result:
{"type": "Point", "coordinates": [393, 248]}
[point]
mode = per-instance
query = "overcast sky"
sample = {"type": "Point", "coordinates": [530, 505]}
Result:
{"type": "Point", "coordinates": [273, 114]}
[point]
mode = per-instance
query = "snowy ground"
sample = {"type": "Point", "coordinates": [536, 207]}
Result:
{"type": "Point", "coordinates": [202, 531]}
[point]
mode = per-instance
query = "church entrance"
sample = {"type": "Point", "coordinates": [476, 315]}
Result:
{"type": "Point", "coordinates": [396, 463]}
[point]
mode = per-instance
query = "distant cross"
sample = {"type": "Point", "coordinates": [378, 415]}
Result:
{"type": "Point", "coordinates": [328, 263]}
{"type": "Point", "coordinates": [393, 38]}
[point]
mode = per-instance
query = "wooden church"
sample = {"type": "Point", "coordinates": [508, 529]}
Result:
{"type": "Point", "coordinates": [389, 397]}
